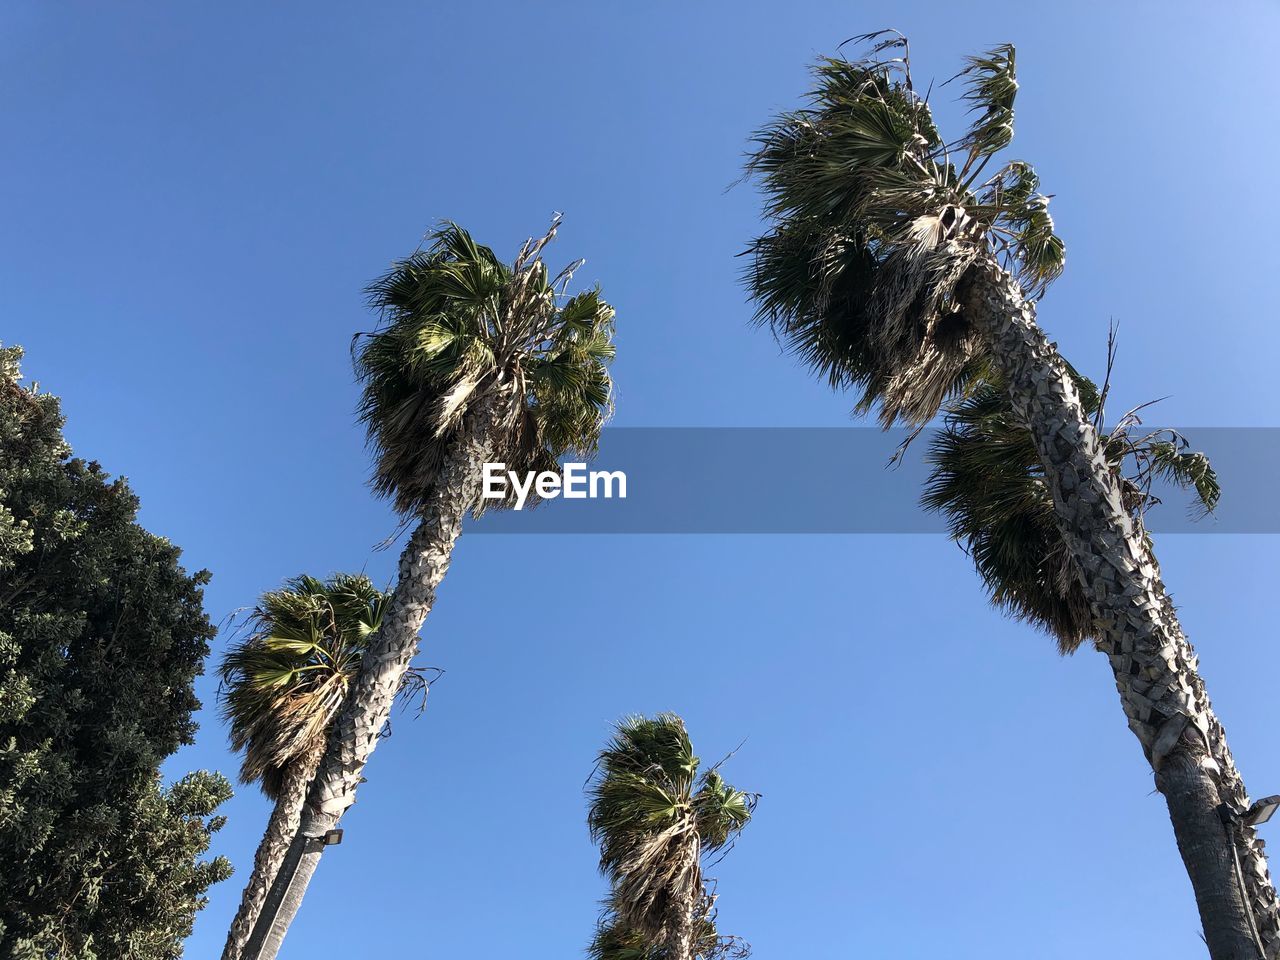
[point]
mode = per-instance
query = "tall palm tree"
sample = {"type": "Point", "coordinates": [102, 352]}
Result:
{"type": "Point", "coordinates": [282, 684]}
{"type": "Point", "coordinates": [475, 360]}
{"type": "Point", "coordinates": [988, 481]}
{"type": "Point", "coordinates": [897, 265]}
{"type": "Point", "coordinates": [655, 820]}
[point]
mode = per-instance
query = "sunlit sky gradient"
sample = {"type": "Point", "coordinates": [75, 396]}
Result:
{"type": "Point", "coordinates": [193, 198]}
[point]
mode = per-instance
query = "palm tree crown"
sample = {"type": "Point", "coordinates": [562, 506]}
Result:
{"type": "Point", "coordinates": [284, 681]}
{"type": "Point", "coordinates": [655, 819]}
{"type": "Point", "coordinates": [462, 329]}
{"type": "Point", "coordinates": [877, 218]}
{"type": "Point", "coordinates": [988, 481]}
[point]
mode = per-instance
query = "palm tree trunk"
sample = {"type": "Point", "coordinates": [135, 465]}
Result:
{"type": "Point", "coordinates": [283, 824]}
{"type": "Point", "coordinates": [680, 944]}
{"type": "Point", "coordinates": [1155, 668]}
{"type": "Point", "coordinates": [423, 564]}
{"type": "Point", "coordinates": [687, 895]}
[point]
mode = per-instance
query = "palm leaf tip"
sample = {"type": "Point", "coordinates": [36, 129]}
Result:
{"type": "Point", "coordinates": [459, 328]}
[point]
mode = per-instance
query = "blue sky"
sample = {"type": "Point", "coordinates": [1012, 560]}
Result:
{"type": "Point", "coordinates": [196, 194]}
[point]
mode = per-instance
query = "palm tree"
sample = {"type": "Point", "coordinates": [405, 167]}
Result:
{"type": "Point", "coordinates": [474, 361]}
{"type": "Point", "coordinates": [282, 684]}
{"type": "Point", "coordinates": [655, 820]}
{"type": "Point", "coordinates": [987, 480]}
{"type": "Point", "coordinates": [897, 265]}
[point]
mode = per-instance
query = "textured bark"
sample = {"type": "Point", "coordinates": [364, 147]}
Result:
{"type": "Point", "coordinates": [680, 945]}
{"type": "Point", "coordinates": [1135, 625]}
{"type": "Point", "coordinates": [687, 893]}
{"type": "Point", "coordinates": [1260, 892]}
{"type": "Point", "coordinates": [423, 564]}
{"type": "Point", "coordinates": [285, 818]}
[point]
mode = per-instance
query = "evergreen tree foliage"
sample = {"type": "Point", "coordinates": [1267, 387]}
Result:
{"type": "Point", "coordinates": [102, 634]}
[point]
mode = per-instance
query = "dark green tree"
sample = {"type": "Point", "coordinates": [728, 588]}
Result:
{"type": "Point", "coordinates": [102, 634]}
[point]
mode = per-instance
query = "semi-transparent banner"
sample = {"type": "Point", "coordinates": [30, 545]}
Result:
{"type": "Point", "coordinates": [820, 480]}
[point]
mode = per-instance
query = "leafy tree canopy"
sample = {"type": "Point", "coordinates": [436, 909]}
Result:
{"type": "Point", "coordinates": [102, 634]}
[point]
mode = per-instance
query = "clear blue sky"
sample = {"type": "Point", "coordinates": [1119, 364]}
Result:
{"type": "Point", "coordinates": [193, 198]}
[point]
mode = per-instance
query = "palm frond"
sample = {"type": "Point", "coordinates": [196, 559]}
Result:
{"type": "Point", "coordinates": [992, 87]}
{"type": "Point", "coordinates": [1189, 469]}
{"type": "Point", "coordinates": [612, 941]}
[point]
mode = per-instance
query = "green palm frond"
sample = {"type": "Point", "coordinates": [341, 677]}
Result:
{"type": "Point", "coordinates": [987, 480]}
{"type": "Point", "coordinates": [1171, 461]}
{"type": "Point", "coordinates": [654, 820]}
{"type": "Point", "coordinates": [721, 811]}
{"type": "Point", "coordinates": [612, 942]}
{"type": "Point", "coordinates": [460, 327]}
{"type": "Point", "coordinates": [287, 675]}
{"type": "Point", "coordinates": [876, 221]}
{"type": "Point", "coordinates": [993, 87]}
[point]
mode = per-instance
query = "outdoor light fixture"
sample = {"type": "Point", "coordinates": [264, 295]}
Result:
{"type": "Point", "coordinates": [332, 838]}
{"type": "Point", "coordinates": [1261, 811]}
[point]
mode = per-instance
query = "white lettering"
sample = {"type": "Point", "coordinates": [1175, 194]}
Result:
{"type": "Point", "coordinates": [495, 483]}
{"type": "Point", "coordinates": [548, 485]}
{"type": "Point", "coordinates": [573, 483]}
{"type": "Point", "coordinates": [609, 476]}
{"type": "Point", "coordinates": [522, 491]}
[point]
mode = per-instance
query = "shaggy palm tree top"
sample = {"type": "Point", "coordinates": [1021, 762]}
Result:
{"type": "Point", "coordinates": [464, 330]}
{"type": "Point", "coordinates": [284, 682]}
{"type": "Point", "coordinates": [876, 219]}
{"type": "Point", "coordinates": [655, 818]}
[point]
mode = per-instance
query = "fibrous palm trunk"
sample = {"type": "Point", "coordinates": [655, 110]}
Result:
{"type": "Point", "coordinates": [1135, 625]}
{"type": "Point", "coordinates": [423, 564]}
{"type": "Point", "coordinates": [687, 897]}
{"type": "Point", "coordinates": [680, 945]}
{"type": "Point", "coordinates": [285, 818]}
